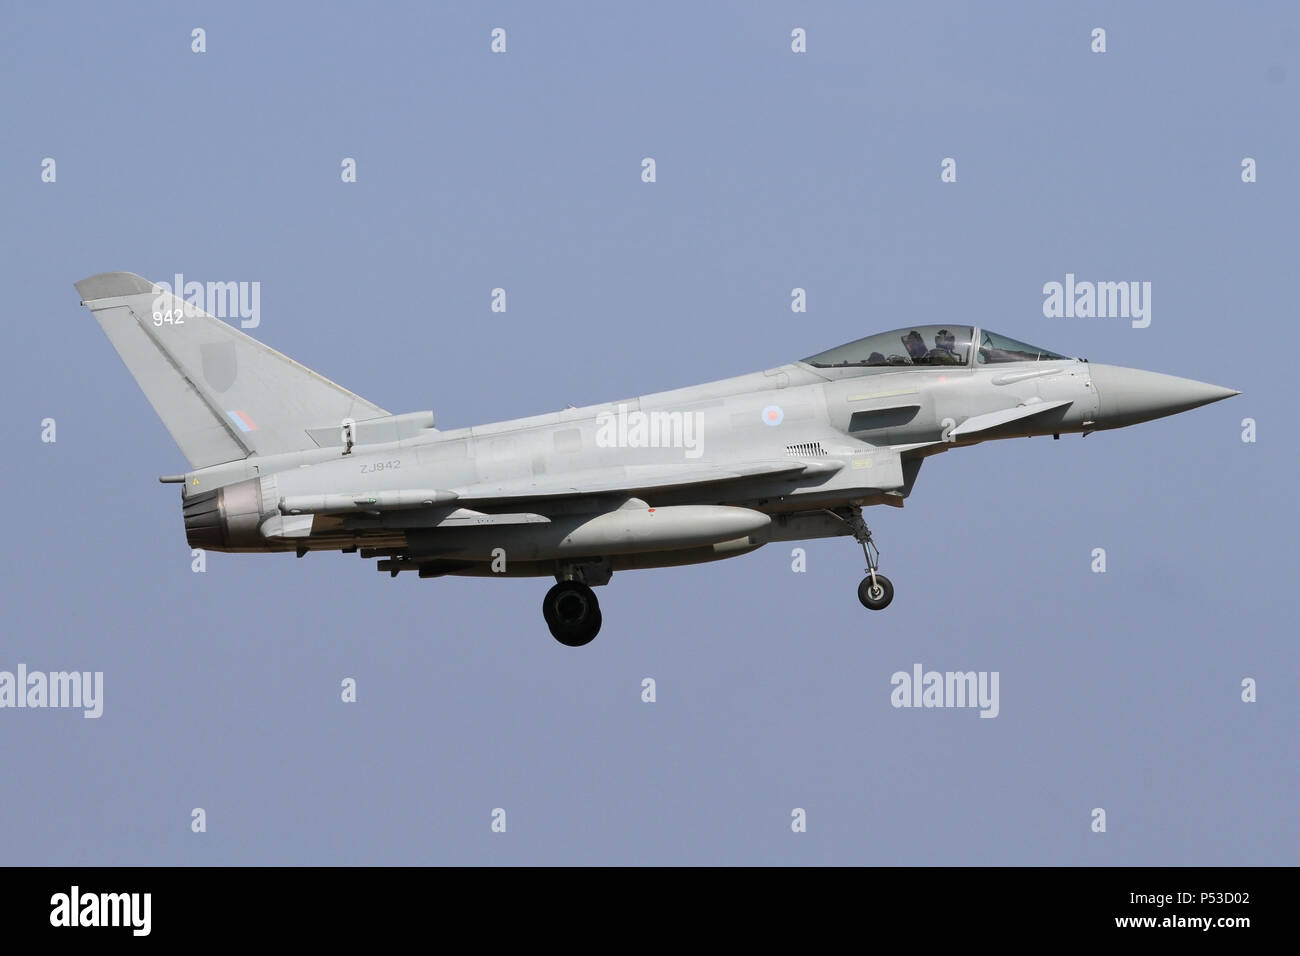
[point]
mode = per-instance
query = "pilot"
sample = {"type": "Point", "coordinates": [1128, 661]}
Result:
{"type": "Point", "coordinates": [914, 344]}
{"type": "Point", "coordinates": [945, 350]}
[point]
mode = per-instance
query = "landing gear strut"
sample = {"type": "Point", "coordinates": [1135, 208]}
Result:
{"type": "Point", "coordinates": [876, 591]}
{"type": "Point", "coordinates": [572, 613]}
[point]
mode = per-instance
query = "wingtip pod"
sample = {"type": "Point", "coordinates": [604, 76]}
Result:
{"type": "Point", "coordinates": [108, 285]}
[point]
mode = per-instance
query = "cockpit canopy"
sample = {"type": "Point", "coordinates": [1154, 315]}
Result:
{"type": "Point", "coordinates": [921, 345]}
{"type": "Point", "coordinates": [929, 345]}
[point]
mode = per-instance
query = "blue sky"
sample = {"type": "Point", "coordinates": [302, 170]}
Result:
{"type": "Point", "coordinates": [775, 170]}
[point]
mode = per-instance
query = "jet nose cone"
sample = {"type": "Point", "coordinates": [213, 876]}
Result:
{"type": "Point", "coordinates": [1126, 396]}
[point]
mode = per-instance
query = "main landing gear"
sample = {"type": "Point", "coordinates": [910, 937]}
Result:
{"type": "Point", "coordinates": [876, 591]}
{"type": "Point", "coordinates": [572, 613]}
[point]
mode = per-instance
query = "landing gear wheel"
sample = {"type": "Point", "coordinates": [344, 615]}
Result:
{"type": "Point", "coordinates": [876, 597]}
{"type": "Point", "coordinates": [572, 613]}
{"type": "Point", "coordinates": [876, 591]}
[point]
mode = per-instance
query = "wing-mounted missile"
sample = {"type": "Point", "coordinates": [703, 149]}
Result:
{"type": "Point", "coordinates": [469, 518]}
{"type": "Point", "coordinates": [378, 501]}
{"type": "Point", "coordinates": [405, 519]}
{"type": "Point", "coordinates": [296, 515]}
{"type": "Point", "coordinates": [301, 525]}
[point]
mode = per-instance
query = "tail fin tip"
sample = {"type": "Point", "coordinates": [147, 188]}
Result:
{"type": "Point", "coordinates": [107, 285]}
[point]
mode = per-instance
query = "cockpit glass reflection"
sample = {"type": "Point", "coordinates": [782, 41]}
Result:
{"type": "Point", "coordinates": [996, 348]}
{"type": "Point", "coordinates": [919, 345]}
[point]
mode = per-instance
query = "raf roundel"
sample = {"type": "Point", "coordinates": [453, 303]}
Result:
{"type": "Point", "coordinates": [772, 415]}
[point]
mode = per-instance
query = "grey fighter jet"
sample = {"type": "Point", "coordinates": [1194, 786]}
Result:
{"type": "Point", "coordinates": [283, 459]}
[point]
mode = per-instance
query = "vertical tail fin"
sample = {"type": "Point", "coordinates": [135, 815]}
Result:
{"type": "Point", "coordinates": [222, 394]}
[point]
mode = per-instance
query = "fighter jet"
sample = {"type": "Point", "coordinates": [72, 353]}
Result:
{"type": "Point", "coordinates": [284, 460]}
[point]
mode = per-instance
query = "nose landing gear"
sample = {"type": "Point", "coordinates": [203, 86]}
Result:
{"type": "Point", "coordinates": [876, 591]}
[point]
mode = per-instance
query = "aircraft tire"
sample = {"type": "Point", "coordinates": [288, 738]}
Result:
{"type": "Point", "coordinates": [878, 599]}
{"type": "Point", "coordinates": [572, 613]}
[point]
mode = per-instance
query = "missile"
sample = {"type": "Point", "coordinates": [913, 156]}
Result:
{"type": "Point", "coordinates": [378, 501]}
